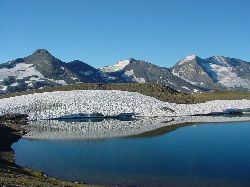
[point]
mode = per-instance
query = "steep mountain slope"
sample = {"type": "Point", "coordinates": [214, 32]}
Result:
{"type": "Point", "coordinates": [132, 70]}
{"type": "Point", "coordinates": [85, 72]}
{"type": "Point", "coordinates": [217, 72]}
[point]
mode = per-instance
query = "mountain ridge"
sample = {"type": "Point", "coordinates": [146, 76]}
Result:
{"type": "Point", "coordinates": [191, 74]}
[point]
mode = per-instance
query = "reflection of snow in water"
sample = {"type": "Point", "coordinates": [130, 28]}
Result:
{"type": "Point", "coordinates": [91, 130]}
{"type": "Point", "coordinates": [111, 128]}
{"type": "Point", "coordinates": [209, 119]}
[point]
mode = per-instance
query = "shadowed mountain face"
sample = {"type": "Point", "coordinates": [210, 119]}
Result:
{"type": "Point", "coordinates": [190, 75]}
{"type": "Point", "coordinates": [218, 72]}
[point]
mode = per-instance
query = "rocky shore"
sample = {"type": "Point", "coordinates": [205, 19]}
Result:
{"type": "Point", "coordinates": [12, 175]}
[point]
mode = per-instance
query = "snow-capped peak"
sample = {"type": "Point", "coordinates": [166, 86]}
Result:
{"type": "Point", "coordinates": [191, 57]}
{"type": "Point", "coordinates": [188, 58]}
{"type": "Point", "coordinates": [116, 67]}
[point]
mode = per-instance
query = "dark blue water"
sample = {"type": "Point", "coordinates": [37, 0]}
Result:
{"type": "Point", "coordinates": [199, 155]}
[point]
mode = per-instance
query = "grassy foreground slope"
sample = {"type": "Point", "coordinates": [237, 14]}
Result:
{"type": "Point", "coordinates": [160, 92]}
{"type": "Point", "coordinates": [221, 95]}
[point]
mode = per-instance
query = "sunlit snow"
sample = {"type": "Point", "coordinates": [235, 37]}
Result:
{"type": "Point", "coordinates": [51, 105]}
{"type": "Point", "coordinates": [20, 71]}
{"type": "Point", "coordinates": [116, 67]}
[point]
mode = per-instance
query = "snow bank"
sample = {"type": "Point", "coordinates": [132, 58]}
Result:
{"type": "Point", "coordinates": [50, 105]}
{"type": "Point", "coordinates": [64, 103]}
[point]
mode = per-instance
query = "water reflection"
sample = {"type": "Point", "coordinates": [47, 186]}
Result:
{"type": "Point", "coordinates": [99, 128]}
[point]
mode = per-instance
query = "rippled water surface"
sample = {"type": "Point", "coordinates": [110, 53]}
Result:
{"type": "Point", "coordinates": [134, 154]}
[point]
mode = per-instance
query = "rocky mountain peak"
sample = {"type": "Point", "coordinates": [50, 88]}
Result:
{"type": "Point", "coordinates": [41, 52]}
{"type": "Point", "coordinates": [191, 74]}
{"type": "Point", "coordinates": [42, 56]}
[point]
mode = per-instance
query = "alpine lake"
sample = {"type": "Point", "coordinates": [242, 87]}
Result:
{"type": "Point", "coordinates": [192, 151]}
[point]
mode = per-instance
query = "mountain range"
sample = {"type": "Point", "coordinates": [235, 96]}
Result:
{"type": "Point", "coordinates": [189, 75]}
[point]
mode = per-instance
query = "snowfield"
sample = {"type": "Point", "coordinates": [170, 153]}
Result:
{"type": "Point", "coordinates": [66, 104]}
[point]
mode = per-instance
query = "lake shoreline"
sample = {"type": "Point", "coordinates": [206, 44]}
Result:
{"type": "Point", "coordinates": [10, 173]}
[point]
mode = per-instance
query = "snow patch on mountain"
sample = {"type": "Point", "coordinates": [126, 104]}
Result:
{"type": "Point", "coordinates": [116, 67]}
{"type": "Point", "coordinates": [184, 87]}
{"type": "Point", "coordinates": [15, 84]}
{"type": "Point", "coordinates": [35, 79]}
{"type": "Point", "coordinates": [219, 60]}
{"type": "Point", "coordinates": [139, 80]}
{"type": "Point", "coordinates": [30, 85]}
{"type": "Point", "coordinates": [182, 77]}
{"type": "Point", "coordinates": [224, 73]}
{"type": "Point", "coordinates": [228, 78]}
{"type": "Point", "coordinates": [87, 73]}
{"type": "Point", "coordinates": [187, 59]}
{"type": "Point", "coordinates": [217, 72]}
{"type": "Point", "coordinates": [131, 74]}
{"type": "Point", "coordinates": [3, 88]}
{"type": "Point", "coordinates": [62, 82]}
{"type": "Point", "coordinates": [20, 71]}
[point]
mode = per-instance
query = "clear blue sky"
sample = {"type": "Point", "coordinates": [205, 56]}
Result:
{"type": "Point", "coordinates": [100, 32]}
